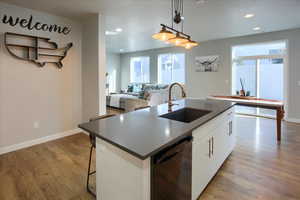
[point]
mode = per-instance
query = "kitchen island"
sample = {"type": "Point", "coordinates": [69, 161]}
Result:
{"type": "Point", "coordinates": [155, 154]}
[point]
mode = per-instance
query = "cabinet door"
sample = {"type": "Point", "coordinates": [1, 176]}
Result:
{"type": "Point", "coordinates": [210, 151]}
{"type": "Point", "coordinates": [231, 129]}
{"type": "Point", "coordinates": [202, 165]}
{"type": "Point", "coordinates": [232, 133]}
{"type": "Point", "coordinates": [220, 145]}
{"type": "Point", "coordinates": [223, 142]}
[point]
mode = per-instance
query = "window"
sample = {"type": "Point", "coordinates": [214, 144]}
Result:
{"type": "Point", "coordinates": [171, 68]}
{"type": "Point", "coordinates": [140, 70]}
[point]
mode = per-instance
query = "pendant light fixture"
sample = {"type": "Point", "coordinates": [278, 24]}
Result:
{"type": "Point", "coordinates": [178, 40]}
{"type": "Point", "coordinates": [172, 36]}
{"type": "Point", "coordinates": [189, 44]}
{"type": "Point", "coordinates": [163, 35]}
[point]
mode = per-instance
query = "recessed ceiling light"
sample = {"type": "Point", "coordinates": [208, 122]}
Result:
{"type": "Point", "coordinates": [119, 30]}
{"type": "Point", "coordinates": [250, 15]}
{"type": "Point", "coordinates": [121, 50]}
{"type": "Point", "coordinates": [111, 33]}
{"type": "Point", "coordinates": [256, 28]}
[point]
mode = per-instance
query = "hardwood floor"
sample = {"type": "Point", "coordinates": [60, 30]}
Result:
{"type": "Point", "coordinates": [54, 170]}
{"type": "Point", "coordinates": [111, 110]}
{"type": "Point", "coordinates": [259, 168]}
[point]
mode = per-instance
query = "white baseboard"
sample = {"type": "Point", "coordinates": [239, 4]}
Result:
{"type": "Point", "coordinates": [30, 143]}
{"type": "Point", "coordinates": [293, 120]}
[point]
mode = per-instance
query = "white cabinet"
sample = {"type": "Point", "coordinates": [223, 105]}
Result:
{"type": "Point", "coordinates": [202, 167]}
{"type": "Point", "coordinates": [120, 175]}
{"type": "Point", "coordinates": [212, 144]}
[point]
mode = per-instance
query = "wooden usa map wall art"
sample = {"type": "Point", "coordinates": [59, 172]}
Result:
{"type": "Point", "coordinates": [38, 50]}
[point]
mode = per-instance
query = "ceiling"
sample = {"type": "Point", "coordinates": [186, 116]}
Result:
{"type": "Point", "coordinates": [207, 20]}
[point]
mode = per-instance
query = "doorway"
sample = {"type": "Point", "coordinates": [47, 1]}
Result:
{"type": "Point", "coordinates": [259, 69]}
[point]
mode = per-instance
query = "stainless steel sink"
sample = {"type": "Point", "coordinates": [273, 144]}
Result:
{"type": "Point", "coordinates": [186, 115]}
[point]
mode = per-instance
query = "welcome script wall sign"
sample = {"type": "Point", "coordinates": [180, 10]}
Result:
{"type": "Point", "coordinates": [30, 24]}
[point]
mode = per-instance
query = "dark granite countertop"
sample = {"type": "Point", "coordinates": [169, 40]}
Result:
{"type": "Point", "coordinates": [143, 133]}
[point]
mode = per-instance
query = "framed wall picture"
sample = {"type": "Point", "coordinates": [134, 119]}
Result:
{"type": "Point", "coordinates": [207, 63]}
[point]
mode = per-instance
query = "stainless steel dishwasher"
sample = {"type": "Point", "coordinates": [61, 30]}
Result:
{"type": "Point", "coordinates": [171, 172]}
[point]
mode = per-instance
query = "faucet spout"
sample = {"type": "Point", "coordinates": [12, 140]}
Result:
{"type": "Point", "coordinates": [183, 94]}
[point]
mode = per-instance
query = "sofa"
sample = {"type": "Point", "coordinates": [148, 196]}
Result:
{"type": "Point", "coordinates": [138, 95]}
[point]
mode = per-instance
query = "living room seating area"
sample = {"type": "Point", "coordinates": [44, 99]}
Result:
{"type": "Point", "coordinates": [140, 94]}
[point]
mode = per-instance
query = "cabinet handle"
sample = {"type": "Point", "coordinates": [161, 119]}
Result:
{"type": "Point", "coordinates": [212, 149]}
{"type": "Point", "coordinates": [209, 144]}
{"type": "Point", "coordinates": [230, 128]}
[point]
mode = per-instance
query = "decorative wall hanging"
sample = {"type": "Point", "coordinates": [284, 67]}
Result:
{"type": "Point", "coordinates": [172, 36]}
{"type": "Point", "coordinates": [38, 50]}
{"type": "Point", "coordinates": [30, 25]}
{"type": "Point", "coordinates": [207, 63]}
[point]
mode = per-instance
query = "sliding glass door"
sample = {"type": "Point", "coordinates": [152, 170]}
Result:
{"type": "Point", "coordinates": [259, 70]}
{"type": "Point", "coordinates": [261, 78]}
{"type": "Point", "coordinates": [270, 80]}
{"type": "Point", "coordinates": [245, 77]}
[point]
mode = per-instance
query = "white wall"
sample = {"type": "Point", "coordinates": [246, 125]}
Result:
{"type": "Point", "coordinates": [113, 64]}
{"type": "Point", "coordinates": [93, 67]}
{"type": "Point", "coordinates": [28, 94]}
{"type": "Point", "coordinates": [90, 51]}
{"type": "Point", "coordinates": [102, 64]}
{"type": "Point", "coordinates": [200, 85]}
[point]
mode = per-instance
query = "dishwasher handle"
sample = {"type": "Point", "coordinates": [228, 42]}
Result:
{"type": "Point", "coordinates": [172, 151]}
